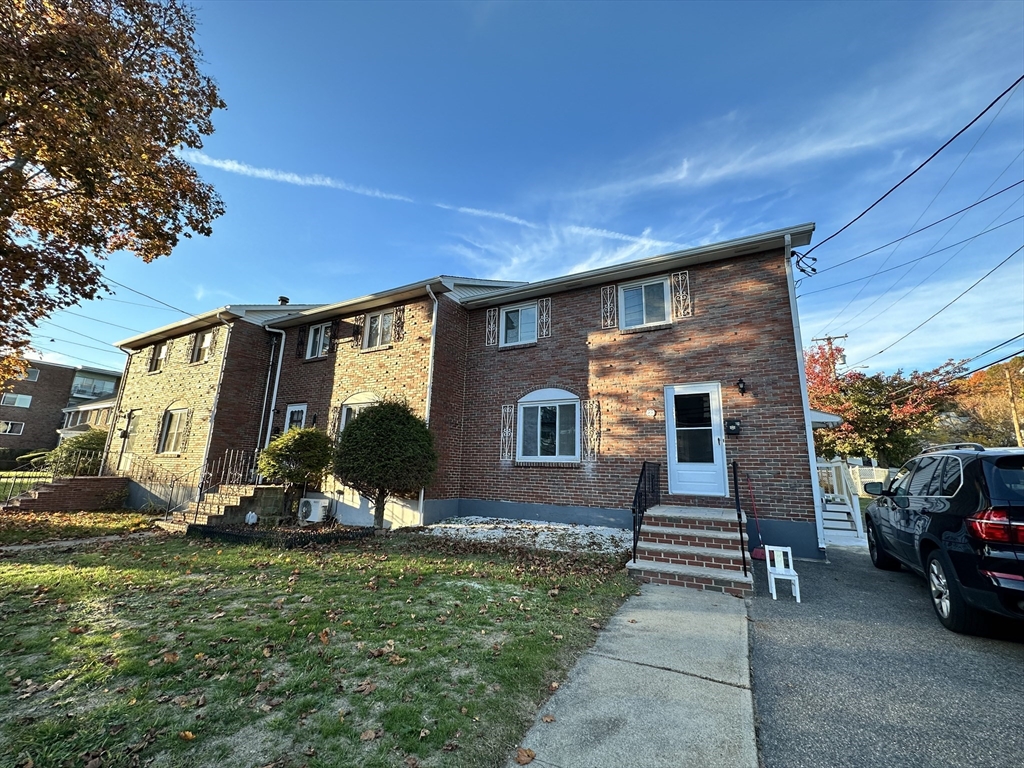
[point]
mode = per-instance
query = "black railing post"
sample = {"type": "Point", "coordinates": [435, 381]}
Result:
{"type": "Point", "coordinates": [739, 513]}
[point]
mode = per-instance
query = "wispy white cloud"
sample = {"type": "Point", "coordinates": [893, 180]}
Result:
{"type": "Point", "coordinates": [201, 292]}
{"type": "Point", "coordinates": [287, 177]}
{"type": "Point", "coordinates": [488, 215]}
{"type": "Point", "coordinates": [644, 239]}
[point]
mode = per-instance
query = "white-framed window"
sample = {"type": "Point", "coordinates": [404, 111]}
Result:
{"type": "Point", "coordinates": [87, 386]}
{"type": "Point", "coordinates": [548, 427]}
{"type": "Point", "coordinates": [201, 346]}
{"type": "Point", "coordinates": [318, 343]}
{"type": "Point", "coordinates": [12, 427]}
{"type": "Point", "coordinates": [295, 417]}
{"type": "Point", "coordinates": [156, 363]}
{"type": "Point", "coordinates": [355, 405]}
{"type": "Point", "coordinates": [172, 432]}
{"type": "Point", "coordinates": [16, 401]}
{"type": "Point", "coordinates": [644, 303]}
{"type": "Point", "coordinates": [380, 329]}
{"type": "Point", "coordinates": [30, 374]}
{"type": "Point", "coordinates": [518, 325]}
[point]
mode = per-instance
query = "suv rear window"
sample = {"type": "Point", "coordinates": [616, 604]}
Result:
{"type": "Point", "coordinates": [1006, 479]}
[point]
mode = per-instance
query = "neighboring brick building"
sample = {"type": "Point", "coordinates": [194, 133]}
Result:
{"type": "Point", "coordinates": [544, 399]}
{"type": "Point", "coordinates": [32, 409]}
{"type": "Point", "coordinates": [194, 389]}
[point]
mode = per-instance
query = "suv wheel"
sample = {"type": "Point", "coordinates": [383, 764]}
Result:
{"type": "Point", "coordinates": [879, 558]}
{"type": "Point", "coordinates": [952, 610]}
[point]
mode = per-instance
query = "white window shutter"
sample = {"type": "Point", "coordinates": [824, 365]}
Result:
{"type": "Point", "coordinates": [609, 307]}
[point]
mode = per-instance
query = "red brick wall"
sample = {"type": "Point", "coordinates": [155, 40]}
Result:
{"type": "Point", "coordinates": [236, 424]}
{"type": "Point", "coordinates": [50, 393]}
{"type": "Point", "coordinates": [324, 383]}
{"type": "Point", "coordinates": [741, 328]}
{"type": "Point", "coordinates": [78, 494]}
{"type": "Point", "coordinates": [448, 397]}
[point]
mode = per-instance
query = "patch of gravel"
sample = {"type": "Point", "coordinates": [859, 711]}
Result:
{"type": "Point", "coordinates": [535, 534]}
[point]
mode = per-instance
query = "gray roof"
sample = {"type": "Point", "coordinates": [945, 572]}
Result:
{"type": "Point", "coordinates": [252, 313]}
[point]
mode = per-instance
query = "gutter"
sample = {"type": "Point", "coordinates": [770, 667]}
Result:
{"type": "Point", "coordinates": [808, 429]}
{"type": "Point", "coordinates": [430, 374]}
{"type": "Point", "coordinates": [277, 381]}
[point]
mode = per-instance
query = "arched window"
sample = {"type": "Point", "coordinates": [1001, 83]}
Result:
{"type": "Point", "coordinates": [354, 405]}
{"type": "Point", "coordinates": [549, 426]}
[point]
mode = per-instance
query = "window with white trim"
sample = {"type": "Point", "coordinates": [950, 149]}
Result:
{"type": "Point", "coordinates": [295, 417]}
{"type": "Point", "coordinates": [12, 427]}
{"type": "Point", "coordinates": [156, 362]}
{"type": "Point", "coordinates": [518, 325]}
{"type": "Point", "coordinates": [16, 401]}
{"type": "Point", "coordinates": [380, 328]}
{"type": "Point", "coordinates": [548, 427]}
{"type": "Point", "coordinates": [318, 342]}
{"type": "Point", "coordinates": [201, 346]}
{"type": "Point", "coordinates": [30, 374]}
{"type": "Point", "coordinates": [172, 432]}
{"type": "Point", "coordinates": [645, 303]}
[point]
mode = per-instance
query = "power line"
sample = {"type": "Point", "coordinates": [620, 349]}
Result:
{"type": "Point", "coordinates": [73, 357]}
{"type": "Point", "coordinates": [77, 333]}
{"type": "Point", "coordinates": [96, 320]}
{"type": "Point", "coordinates": [917, 231]}
{"type": "Point", "coordinates": [913, 261]}
{"type": "Point", "coordinates": [932, 317]}
{"type": "Point", "coordinates": [922, 165]}
{"type": "Point", "coordinates": [111, 349]}
{"type": "Point", "coordinates": [151, 298]}
{"type": "Point", "coordinates": [990, 349]}
{"type": "Point", "coordinates": [137, 303]}
{"type": "Point", "coordinates": [965, 374]}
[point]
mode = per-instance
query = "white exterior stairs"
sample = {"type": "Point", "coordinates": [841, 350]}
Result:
{"type": "Point", "coordinates": [693, 547]}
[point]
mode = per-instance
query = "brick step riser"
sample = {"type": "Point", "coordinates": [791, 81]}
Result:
{"type": "Point", "coordinates": [702, 561]}
{"type": "Point", "coordinates": [723, 585]}
{"type": "Point", "coordinates": [654, 538]}
{"type": "Point", "coordinates": [689, 523]}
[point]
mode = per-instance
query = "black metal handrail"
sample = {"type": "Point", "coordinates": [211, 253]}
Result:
{"type": "Point", "coordinates": [739, 513]}
{"type": "Point", "coordinates": [646, 495]}
{"type": "Point", "coordinates": [29, 477]}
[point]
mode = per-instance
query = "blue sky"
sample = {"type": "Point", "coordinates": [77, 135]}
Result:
{"type": "Point", "coordinates": [367, 145]}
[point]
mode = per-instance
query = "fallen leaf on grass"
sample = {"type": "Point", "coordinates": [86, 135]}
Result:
{"type": "Point", "coordinates": [76, 630]}
{"type": "Point", "coordinates": [553, 687]}
{"type": "Point", "coordinates": [170, 657]}
{"type": "Point", "coordinates": [525, 756]}
{"type": "Point", "coordinates": [365, 688]}
{"type": "Point", "coordinates": [371, 734]}
{"type": "Point", "coordinates": [424, 733]}
{"type": "Point", "coordinates": [186, 736]}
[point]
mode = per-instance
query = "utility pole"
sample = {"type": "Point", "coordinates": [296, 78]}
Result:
{"type": "Point", "coordinates": [1013, 406]}
{"type": "Point", "coordinates": [828, 341]}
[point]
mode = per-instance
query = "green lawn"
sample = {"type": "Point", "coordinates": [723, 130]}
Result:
{"type": "Point", "coordinates": [17, 527]}
{"type": "Point", "coordinates": [13, 483]}
{"type": "Point", "coordinates": [397, 651]}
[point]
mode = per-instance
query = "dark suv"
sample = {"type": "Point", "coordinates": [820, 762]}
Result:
{"type": "Point", "coordinates": [955, 514]}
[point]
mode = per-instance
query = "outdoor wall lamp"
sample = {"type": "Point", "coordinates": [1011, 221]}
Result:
{"type": "Point", "coordinates": [741, 385]}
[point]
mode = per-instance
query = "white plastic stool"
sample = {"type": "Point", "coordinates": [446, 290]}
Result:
{"type": "Point", "coordinates": [780, 566]}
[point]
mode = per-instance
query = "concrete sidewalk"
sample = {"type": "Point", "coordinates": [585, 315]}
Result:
{"type": "Point", "coordinates": [667, 684]}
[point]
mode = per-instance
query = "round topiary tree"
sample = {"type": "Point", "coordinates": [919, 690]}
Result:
{"type": "Point", "coordinates": [386, 451]}
{"type": "Point", "coordinates": [81, 454]}
{"type": "Point", "coordinates": [298, 457]}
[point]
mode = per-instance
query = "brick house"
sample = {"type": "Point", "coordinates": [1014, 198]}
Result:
{"type": "Point", "coordinates": [545, 399]}
{"type": "Point", "coordinates": [32, 409]}
{"type": "Point", "coordinates": [194, 389]}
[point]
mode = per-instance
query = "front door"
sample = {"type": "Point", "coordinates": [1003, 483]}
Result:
{"type": "Point", "coordinates": [696, 440]}
{"type": "Point", "coordinates": [295, 417]}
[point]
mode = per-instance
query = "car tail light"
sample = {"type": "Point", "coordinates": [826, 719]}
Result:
{"type": "Point", "coordinates": [994, 525]}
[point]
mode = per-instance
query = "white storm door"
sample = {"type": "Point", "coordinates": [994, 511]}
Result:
{"type": "Point", "coordinates": [295, 417]}
{"type": "Point", "coordinates": [696, 440]}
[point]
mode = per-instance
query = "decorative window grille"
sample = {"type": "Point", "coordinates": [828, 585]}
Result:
{"type": "Point", "coordinates": [591, 417]}
{"type": "Point", "coordinates": [609, 307]}
{"type": "Point", "coordinates": [491, 338]}
{"type": "Point", "coordinates": [300, 345]}
{"type": "Point", "coordinates": [357, 330]}
{"type": "Point", "coordinates": [398, 330]}
{"type": "Point", "coordinates": [334, 423]}
{"type": "Point", "coordinates": [544, 319]}
{"type": "Point", "coordinates": [332, 335]}
{"type": "Point", "coordinates": [508, 443]}
{"type": "Point", "coordinates": [681, 305]}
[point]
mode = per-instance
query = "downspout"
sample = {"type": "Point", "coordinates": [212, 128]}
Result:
{"type": "Point", "coordinates": [277, 381]}
{"type": "Point", "coordinates": [117, 412]}
{"type": "Point", "coordinates": [216, 394]}
{"type": "Point", "coordinates": [808, 429]}
{"type": "Point", "coordinates": [266, 391]}
{"type": "Point", "coordinates": [430, 374]}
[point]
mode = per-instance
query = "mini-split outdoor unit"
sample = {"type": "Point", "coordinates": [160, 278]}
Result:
{"type": "Point", "coordinates": [312, 510]}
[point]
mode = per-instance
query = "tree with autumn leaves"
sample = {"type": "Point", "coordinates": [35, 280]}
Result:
{"type": "Point", "coordinates": [96, 97]}
{"type": "Point", "coordinates": [887, 417]}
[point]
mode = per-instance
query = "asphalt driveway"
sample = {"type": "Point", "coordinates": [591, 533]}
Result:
{"type": "Point", "coordinates": [862, 674]}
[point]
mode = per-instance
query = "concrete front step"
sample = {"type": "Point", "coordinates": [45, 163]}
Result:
{"type": "Point", "coordinates": [707, 579]}
{"type": "Point", "coordinates": [688, 537]}
{"type": "Point", "coordinates": [719, 559]}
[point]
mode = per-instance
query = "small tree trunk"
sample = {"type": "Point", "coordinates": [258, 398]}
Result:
{"type": "Point", "coordinates": [378, 509]}
{"type": "Point", "coordinates": [287, 511]}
